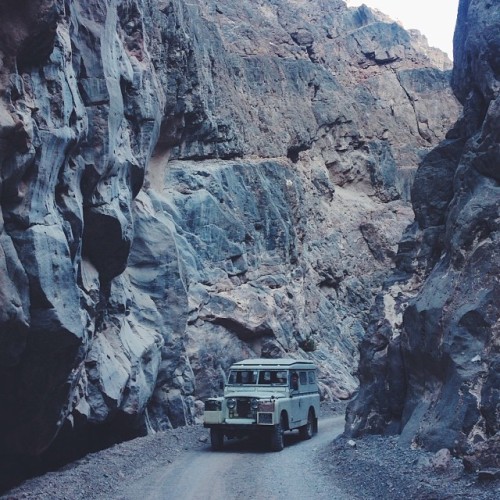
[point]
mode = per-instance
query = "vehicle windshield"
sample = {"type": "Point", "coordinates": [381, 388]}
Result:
{"type": "Point", "coordinates": [258, 377]}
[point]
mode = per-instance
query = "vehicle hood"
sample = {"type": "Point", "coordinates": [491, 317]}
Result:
{"type": "Point", "coordinates": [258, 392]}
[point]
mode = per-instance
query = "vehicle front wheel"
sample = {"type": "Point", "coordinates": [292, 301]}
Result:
{"type": "Point", "coordinates": [216, 439]}
{"type": "Point", "coordinates": [277, 440]}
{"type": "Point", "coordinates": [307, 431]}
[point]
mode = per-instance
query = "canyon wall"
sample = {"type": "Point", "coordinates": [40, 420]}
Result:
{"type": "Point", "coordinates": [184, 184]}
{"type": "Point", "coordinates": [433, 373]}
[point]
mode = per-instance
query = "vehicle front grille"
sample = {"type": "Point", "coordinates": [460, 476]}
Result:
{"type": "Point", "coordinates": [243, 409]}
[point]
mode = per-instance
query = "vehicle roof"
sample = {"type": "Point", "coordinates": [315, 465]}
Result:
{"type": "Point", "coordinates": [278, 362]}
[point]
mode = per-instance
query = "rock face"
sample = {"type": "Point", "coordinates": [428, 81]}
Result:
{"type": "Point", "coordinates": [184, 184]}
{"type": "Point", "coordinates": [434, 377]}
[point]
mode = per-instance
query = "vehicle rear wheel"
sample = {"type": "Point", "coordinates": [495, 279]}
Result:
{"type": "Point", "coordinates": [307, 431]}
{"type": "Point", "coordinates": [277, 440]}
{"type": "Point", "coordinates": [216, 439]}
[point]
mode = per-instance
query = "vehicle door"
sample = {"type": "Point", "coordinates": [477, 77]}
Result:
{"type": "Point", "coordinates": [296, 400]}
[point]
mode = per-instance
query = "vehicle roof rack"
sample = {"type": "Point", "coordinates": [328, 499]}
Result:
{"type": "Point", "coordinates": [278, 362]}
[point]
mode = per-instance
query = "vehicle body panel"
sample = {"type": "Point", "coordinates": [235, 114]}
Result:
{"type": "Point", "coordinates": [263, 395]}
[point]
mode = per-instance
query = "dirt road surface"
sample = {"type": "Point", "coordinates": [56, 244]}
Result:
{"type": "Point", "coordinates": [245, 469]}
{"type": "Point", "coordinates": [179, 464]}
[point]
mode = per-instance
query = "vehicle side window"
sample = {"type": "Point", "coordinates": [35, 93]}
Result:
{"type": "Point", "coordinates": [312, 377]}
{"type": "Point", "coordinates": [303, 378]}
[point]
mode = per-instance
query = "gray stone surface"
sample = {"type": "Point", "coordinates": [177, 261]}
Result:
{"type": "Point", "coordinates": [443, 356]}
{"type": "Point", "coordinates": [184, 184]}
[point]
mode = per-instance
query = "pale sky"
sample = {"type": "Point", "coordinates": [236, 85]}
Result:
{"type": "Point", "coordinates": [433, 18]}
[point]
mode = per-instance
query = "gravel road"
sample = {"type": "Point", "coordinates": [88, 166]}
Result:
{"type": "Point", "coordinates": [179, 464]}
{"type": "Point", "coordinates": [246, 469]}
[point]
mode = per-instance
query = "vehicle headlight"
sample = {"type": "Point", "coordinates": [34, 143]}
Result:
{"type": "Point", "coordinates": [231, 403]}
{"type": "Point", "coordinates": [254, 404]}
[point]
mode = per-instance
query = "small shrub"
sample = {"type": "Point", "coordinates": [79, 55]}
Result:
{"type": "Point", "coordinates": [308, 345]}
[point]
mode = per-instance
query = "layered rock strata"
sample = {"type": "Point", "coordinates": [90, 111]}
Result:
{"type": "Point", "coordinates": [432, 374]}
{"type": "Point", "coordinates": [181, 189]}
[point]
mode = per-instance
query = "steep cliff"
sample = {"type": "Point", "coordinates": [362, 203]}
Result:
{"type": "Point", "coordinates": [434, 377]}
{"type": "Point", "coordinates": [184, 184]}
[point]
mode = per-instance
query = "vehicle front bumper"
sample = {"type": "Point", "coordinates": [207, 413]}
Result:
{"type": "Point", "coordinates": [236, 425]}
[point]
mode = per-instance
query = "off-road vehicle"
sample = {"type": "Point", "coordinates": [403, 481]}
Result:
{"type": "Point", "coordinates": [265, 397]}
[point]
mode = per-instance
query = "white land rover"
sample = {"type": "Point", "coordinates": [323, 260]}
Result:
{"type": "Point", "coordinates": [265, 396]}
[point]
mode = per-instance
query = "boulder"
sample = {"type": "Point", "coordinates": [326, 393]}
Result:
{"type": "Point", "coordinates": [441, 460]}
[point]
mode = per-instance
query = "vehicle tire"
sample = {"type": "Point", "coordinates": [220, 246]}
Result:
{"type": "Point", "coordinates": [277, 440]}
{"type": "Point", "coordinates": [216, 439]}
{"type": "Point", "coordinates": [277, 435]}
{"type": "Point", "coordinates": [307, 431]}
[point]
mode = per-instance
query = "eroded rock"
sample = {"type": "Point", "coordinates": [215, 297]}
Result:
{"type": "Point", "coordinates": [446, 350]}
{"type": "Point", "coordinates": [185, 184]}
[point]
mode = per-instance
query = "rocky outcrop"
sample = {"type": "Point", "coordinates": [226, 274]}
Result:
{"type": "Point", "coordinates": [184, 184]}
{"type": "Point", "coordinates": [72, 162]}
{"type": "Point", "coordinates": [433, 373]}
